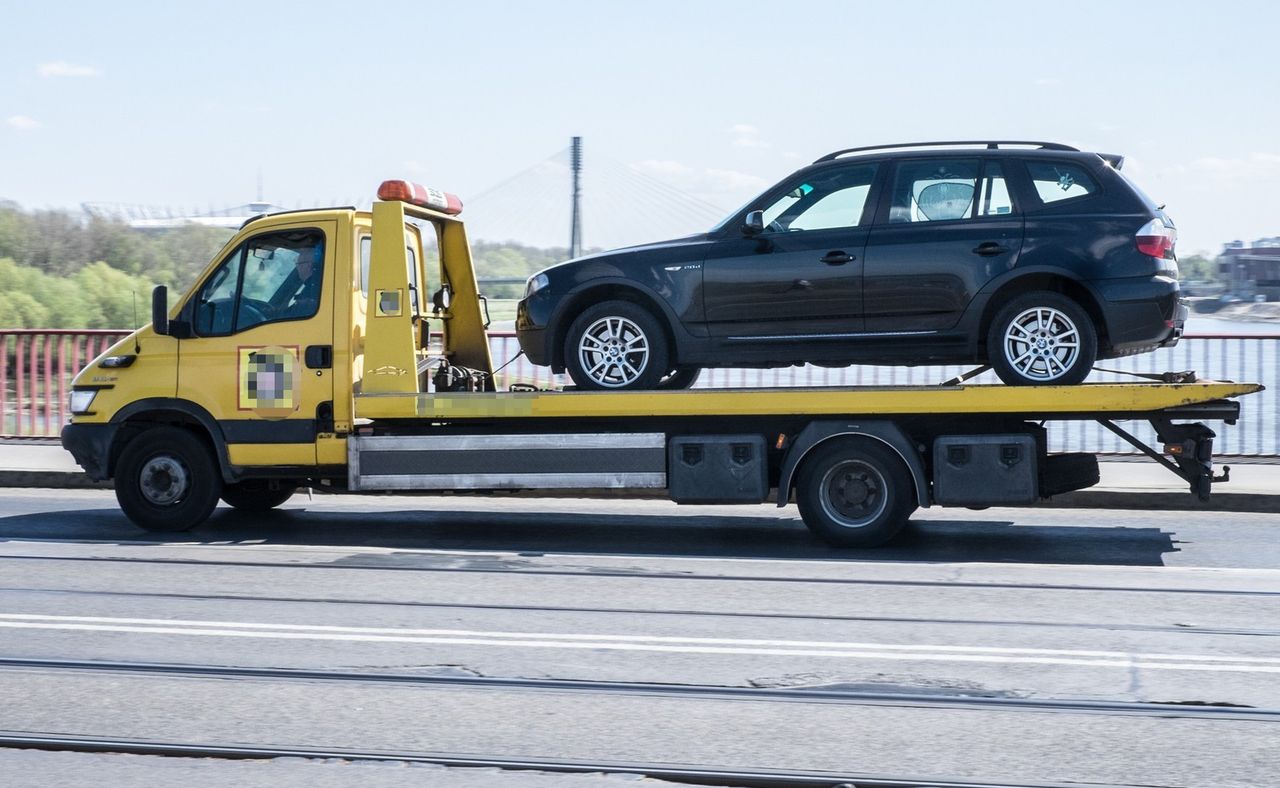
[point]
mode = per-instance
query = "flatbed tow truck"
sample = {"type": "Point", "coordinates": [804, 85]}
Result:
{"type": "Point", "coordinates": [257, 383]}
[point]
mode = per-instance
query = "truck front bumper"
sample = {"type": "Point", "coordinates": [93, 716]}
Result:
{"type": "Point", "coordinates": [90, 445]}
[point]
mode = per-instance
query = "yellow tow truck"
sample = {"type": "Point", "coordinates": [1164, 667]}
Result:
{"type": "Point", "coordinates": [308, 354]}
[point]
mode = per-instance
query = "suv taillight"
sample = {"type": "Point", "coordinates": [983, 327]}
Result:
{"type": "Point", "coordinates": [1156, 240]}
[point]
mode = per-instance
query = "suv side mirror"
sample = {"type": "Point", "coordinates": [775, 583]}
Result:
{"type": "Point", "coordinates": [160, 310]}
{"type": "Point", "coordinates": [753, 225]}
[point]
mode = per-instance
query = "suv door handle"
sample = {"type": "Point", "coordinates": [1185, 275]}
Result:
{"type": "Point", "coordinates": [837, 257]}
{"type": "Point", "coordinates": [990, 249]}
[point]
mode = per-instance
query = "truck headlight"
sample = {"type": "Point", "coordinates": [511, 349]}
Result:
{"type": "Point", "coordinates": [535, 283]}
{"type": "Point", "coordinates": [81, 401]}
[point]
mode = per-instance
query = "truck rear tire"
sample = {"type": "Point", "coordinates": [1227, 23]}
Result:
{"type": "Point", "coordinates": [257, 495]}
{"type": "Point", "coordinates": [855, 493]}
{"type": "Point", "coordinates": [167, 480]}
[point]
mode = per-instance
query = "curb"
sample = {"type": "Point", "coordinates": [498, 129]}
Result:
{"type": "Point", "coordinates": [56, 480]}
{"type": "Point", "coordinates": [1262, 503]}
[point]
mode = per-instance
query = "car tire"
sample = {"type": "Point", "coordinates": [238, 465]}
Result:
{"type": "Point", "coordinates": [1042, 338]}
{"type": "Point", "coordinates": [256, 495]}
{"type": "Point", "coordinates": [681, 378]}
{"type": "Point", "coordinates": [855, 493]}
{"type": "Point", "coordinates": [167, 480]}
{"type": "Point", "coordinates": [616, 346]}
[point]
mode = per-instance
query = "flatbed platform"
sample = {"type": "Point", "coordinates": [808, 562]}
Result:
{"type": "Point", "coordinates": [1085, 401]}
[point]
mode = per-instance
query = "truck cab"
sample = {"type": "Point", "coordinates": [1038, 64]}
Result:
{"type": "Point", "coordinates": [299, 313]}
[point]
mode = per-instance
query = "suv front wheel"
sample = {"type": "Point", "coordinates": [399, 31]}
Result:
{"type": "Point", "coordinates": [616, 345]}
{"type": "Point", "coordinates": [1042, 338]}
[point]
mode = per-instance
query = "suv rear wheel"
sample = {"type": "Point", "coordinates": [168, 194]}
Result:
{"type": "Point", "coordinates": [616, 345]}
{"type": "Point", "coordinates": [1042, 338]}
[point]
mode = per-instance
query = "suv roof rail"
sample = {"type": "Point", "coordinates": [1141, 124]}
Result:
{"type": "Point", "coordinates": [989, 144]}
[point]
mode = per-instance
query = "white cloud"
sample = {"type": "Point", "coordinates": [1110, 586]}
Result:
{"type": "Point", "coordinates": [61, 68]}
{"type": "Point", "coordinates": [790, 154]}
{"type": "Point", "coordinates": [1257, 165]}
{"type": "Point", "coordinates": [1048, 82]}
{"type": "Point", "coordinates": [22, 122]}
{"type": "Point", "coordinates": [709, 184]}
{"type": "Point", "coordinates": [746, 136]}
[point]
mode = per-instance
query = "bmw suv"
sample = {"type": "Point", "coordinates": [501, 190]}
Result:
{"type": "Point", "coordinates": [1032, 257]}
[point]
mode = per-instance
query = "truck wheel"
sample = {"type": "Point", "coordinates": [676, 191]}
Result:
{"type": "Point", "coordinates": [681, 378]}
{"type": "Point", "coordinates": [1042, 338]}
{"type": "Point", "coordinates": [855, 493]}
{"type": "Point", "coordinates": [256, 495]}
{"type": "Point", "coordinates": [167, 480]}
{"type": "Point", "coordinates": [616, 345]}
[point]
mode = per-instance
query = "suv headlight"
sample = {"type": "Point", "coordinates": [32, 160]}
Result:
{"type": "Point", "coordinates": [535, 283]}
{"type": "Point", "coordinates": [81, 401]}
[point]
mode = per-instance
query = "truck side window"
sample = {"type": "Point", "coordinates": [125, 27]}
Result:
{"type": "Point", "coordinates": [269, 278]}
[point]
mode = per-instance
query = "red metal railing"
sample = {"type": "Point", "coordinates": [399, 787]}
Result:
{"type": "Point", "coordinates": [36, 368]}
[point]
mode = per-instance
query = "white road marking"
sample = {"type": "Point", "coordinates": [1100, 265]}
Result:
{"type": "Point", "coordinates": [647, 643]}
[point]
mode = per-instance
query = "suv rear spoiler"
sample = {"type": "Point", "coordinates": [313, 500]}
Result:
{"type": "Point", "coordinates": [1114, 159]}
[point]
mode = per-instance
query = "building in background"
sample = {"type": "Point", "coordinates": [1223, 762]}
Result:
{"type": "Point", "coordinates": [1251, 271]}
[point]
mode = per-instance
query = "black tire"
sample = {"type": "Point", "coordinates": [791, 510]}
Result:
{"type": "Point", "coordinates": [167, 480]}
{"type": "Point", "coordinates": [1038, 355]}
{"type": "Point", "coordinates": [1064, 473]}
{"type": "Point", "coordinates": [855, 492]}
{"type": "Point", "coordinates": [256, 495]}
{"type": "Point", "coordinates": [629, 350]}
{"type": "Point", "coordinates": [681, 378]}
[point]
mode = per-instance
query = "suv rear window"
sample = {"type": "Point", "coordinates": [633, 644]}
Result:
{"type": "Point", "coordinates": [1056, 181]}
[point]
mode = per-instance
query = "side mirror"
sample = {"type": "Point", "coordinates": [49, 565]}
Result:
{"type": "Point", "coordinates": [753, 225]}
{"type": "Point", "coordinates": [160, 310]}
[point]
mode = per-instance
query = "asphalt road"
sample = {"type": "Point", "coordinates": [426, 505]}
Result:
{"type": "Point", "coordinates": [1010, 646]}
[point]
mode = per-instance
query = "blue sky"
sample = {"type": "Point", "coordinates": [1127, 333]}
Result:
{"type": "Point", "coordinates": [181, 103]}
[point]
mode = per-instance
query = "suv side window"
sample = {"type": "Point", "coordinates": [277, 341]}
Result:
{"type": "Point", "coordinates": [268, 278]}
{"type": "Point", "coordinates": [933, 190]}
{"type": "Point", "coordinates": [824, 201]}
{"type": "Point", "coordinates": [1056, 181]}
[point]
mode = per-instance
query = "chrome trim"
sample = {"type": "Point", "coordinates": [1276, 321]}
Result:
{"type": "Point", "coordinates": [514, 481]}
{"type": "Point", "coordinates": [601, 440]}
{"type": "Point", "coordinates": [835, 336]}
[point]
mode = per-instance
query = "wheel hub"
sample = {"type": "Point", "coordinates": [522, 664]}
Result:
{"type": "Point", "coordinates": [613, 351]}
{"type": "Point", "coordinates": [164, 481]}
{"type": "Point", "coordinates": [1042, 343]}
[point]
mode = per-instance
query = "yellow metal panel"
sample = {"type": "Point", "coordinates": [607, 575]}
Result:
{"type": "Point", "coordinates": [154, 373]}
{"type": "Point", "coordinates": [390, 363]}
{"type": "Point", "coordinates": [863, 401]}
{"type": "Point", "coordinates": [465, 341]}
{"type": "Point", "coordinates": [331, 451]}
{"type": "Point", "coordinates": [271, 453]}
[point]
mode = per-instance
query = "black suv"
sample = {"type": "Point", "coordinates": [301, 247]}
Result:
{"type": "Point", "coordinates": [1033, 257]}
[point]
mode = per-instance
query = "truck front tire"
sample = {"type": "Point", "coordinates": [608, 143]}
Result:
{"type": "Point", "coordinates": [167, 480]}
{"type": "Point", "coordinates": [854, 492]}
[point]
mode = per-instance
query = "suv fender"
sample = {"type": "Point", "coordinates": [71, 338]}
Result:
{"type": "Point", "coordinates": [1042, 277]}
{"type": "Point", "coordinates": [886, 432]}
{"type": "Point", "coordinates": [607, 288]}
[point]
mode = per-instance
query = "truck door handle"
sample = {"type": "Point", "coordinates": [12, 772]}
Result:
{"type": "Point", "coordinates": [990, 249]}
{"type": "Point", "coordinates": [319, 357]}
{"type": "Point", "coordinates": [837, 257]}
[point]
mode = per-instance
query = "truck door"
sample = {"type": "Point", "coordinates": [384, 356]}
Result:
{"type": "Point", "coordinates": [260, 360]}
